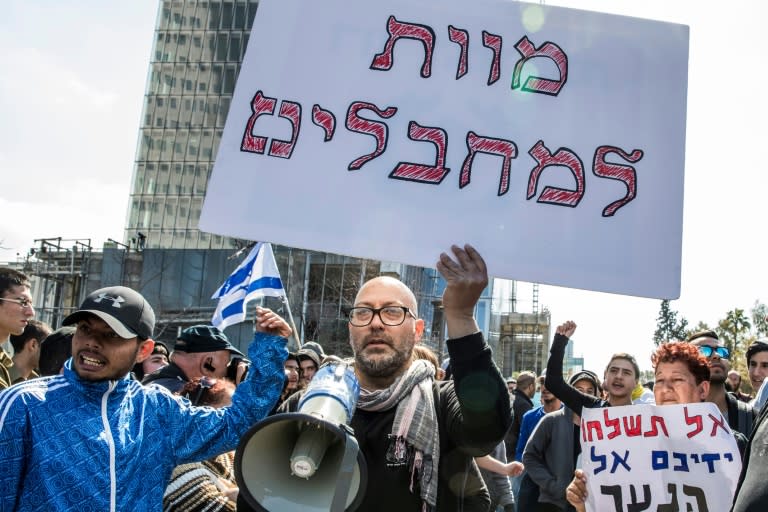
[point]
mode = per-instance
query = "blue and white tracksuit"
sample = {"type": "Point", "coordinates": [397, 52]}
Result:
{"type": "Point", "coordinates": [72, 445]}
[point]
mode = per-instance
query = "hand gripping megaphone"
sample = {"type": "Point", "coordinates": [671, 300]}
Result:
{"type": "Point", "coordinates": [308, 461]}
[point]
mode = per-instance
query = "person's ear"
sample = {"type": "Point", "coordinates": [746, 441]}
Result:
{"type": "Point", "coordinates": [703, 389]}
{"type": "Point", "coordinates": [145, 350]}
{"type": "Point", "coordinates": [208, 364]}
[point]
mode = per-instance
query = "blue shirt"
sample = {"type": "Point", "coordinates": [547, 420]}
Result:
{"type": "Point", "coordinates": [72, 445]}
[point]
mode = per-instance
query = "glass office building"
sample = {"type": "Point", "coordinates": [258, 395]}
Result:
{"type": "Point", "coordinates": [196, 56]}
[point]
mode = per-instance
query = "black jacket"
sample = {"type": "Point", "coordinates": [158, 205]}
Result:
{"type": "Point", "coordinates": [473, 414]}
{"type": "Point", "coordinates": [171, 377]}
{"type": "Point", "coordinates": [521, 404]}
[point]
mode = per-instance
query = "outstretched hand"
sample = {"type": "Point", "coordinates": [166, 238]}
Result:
{"type": "Point", "coordinates": [567, 329]}
{"type": "Point", "coordinates": [466, 278]}
{"type": "Point", "coordinates": [267, 321]}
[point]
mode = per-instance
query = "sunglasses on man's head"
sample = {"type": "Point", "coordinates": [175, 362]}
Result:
{"type": "Point", "coordinates": [722, 352]}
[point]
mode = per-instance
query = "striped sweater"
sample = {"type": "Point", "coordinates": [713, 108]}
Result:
{"type": "Point", "coordinates": [201, 486]}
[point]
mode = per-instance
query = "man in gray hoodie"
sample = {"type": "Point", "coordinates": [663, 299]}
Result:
{"type": "Point", "coordinates": [551, 452]}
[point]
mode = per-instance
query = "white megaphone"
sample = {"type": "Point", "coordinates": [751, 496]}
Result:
{"type": "Point", "coordinates": [308, 461]}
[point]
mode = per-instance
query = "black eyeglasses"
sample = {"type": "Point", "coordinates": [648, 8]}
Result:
{"type": "Point", "coordinates": [24, 303]}
{"type": "Point", "coordinates": [707, 351]}
{"type": "Point", "coordinates": [389, 315]}
{"type": "Point", "coordinates": [203, 386]}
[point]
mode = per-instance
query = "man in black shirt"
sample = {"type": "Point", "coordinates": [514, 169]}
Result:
{"type": "Point", "coordinates": [419, 436]}
{"type": "Point", "coordinates": [521, 403]}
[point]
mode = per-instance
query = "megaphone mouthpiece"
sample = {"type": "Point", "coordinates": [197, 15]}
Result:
{"type": "Point", "coordinates": [309, 450]}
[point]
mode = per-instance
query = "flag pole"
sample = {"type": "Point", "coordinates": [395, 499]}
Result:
{"type": "Point", "coordinates": [295, 334]}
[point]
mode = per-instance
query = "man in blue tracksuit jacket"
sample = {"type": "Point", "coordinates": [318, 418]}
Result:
{"type": "Point", "coordinates": [93, 439]}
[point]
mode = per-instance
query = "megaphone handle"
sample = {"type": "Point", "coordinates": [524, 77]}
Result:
{"type": "Point", "coordinates": [344, 480]}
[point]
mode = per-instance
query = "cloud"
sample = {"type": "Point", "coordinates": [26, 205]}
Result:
{"type": "Point", "coordinates": [76, 212]}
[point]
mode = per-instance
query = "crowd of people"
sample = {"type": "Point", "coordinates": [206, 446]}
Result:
{"type": "Point", "coordinates": [96, 415]}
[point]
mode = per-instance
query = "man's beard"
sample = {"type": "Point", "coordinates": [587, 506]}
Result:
{"type": "Point", "coordinates": [385, 366]}
{"type": "Point", "coordinates": [718, 379]}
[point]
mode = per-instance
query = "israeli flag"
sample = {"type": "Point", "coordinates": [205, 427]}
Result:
{"type": "Point", "coordinates": [257, 276]}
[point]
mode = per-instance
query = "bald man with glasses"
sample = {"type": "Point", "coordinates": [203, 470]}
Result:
{"type": "Point", "coordinates": [15, 312]}
{"type": "Point", "coordinates": [419, 435]}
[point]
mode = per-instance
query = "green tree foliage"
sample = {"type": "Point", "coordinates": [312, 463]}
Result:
{"type": "Point", "coordinates": [734, 332]}
{"type": "Point", "coordinates": [668, 327]}
{"type": "Point", "coordinates": [760, 319]}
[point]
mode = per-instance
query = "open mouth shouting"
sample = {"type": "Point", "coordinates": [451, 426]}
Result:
{"type": "Point", "coordinates": [90, 362]}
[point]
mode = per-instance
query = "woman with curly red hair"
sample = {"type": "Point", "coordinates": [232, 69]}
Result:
{"type": "Point", "coordinates": [682, 377]}
{"type": "Point", "coordinates": [682, 374]}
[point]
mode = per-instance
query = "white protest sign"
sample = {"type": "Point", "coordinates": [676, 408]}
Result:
{"type": "Point", "coordinates": [551, 139]}
{"type": "Point", "coordinates": [646, 457]}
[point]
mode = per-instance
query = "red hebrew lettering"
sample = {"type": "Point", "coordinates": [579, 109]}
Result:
{"type": "Point", "coordinates": [397, 30]}
{"type": "Point", "coordinates": [695, 420]}
{"type": "Point", "coordinates": [376, 129]}
{"type": "Point", "coordinates": [460, 37]}
{"type": "Point", "coordinates": [292, 112]}
{"type": "Point", "coordinates": [260, 105]}
{"type": "Point", "coordinates": [325, 120]}
{"type": "Point", "coordinates": [656, 422]}
{"type": "Point", "coordinates": [494, 43]}
{"type": "Point", "coordinates": [553, 195]}
{"type": "Point", "coordinates": [718, 423]}
{"type": "Point", "coordinates": [503, 148]}
{"type": "Point", "coordinates": [632, 426]}
{"type": "Point", "coordinates": [425, 173]}
{"type": "Point", "coordinates": [611, 423]}
{"type": "Point", "coordinates": [535, 83]}
{"type": "Point", "coordinates": [597, 427]}
{"type": "Point", "coordinates": [624, 173]}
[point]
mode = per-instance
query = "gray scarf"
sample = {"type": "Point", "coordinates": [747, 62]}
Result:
{"type": "Point", "coordinates": [415, 438]}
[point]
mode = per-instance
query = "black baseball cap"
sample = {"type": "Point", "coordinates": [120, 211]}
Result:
{"type": "Point", "coordinates": [204, 338]}
{"type": "Point", "coordinates": [125, 310]}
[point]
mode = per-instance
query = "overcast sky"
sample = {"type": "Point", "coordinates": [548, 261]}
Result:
{"type": "Point", "coordinates": [71, 93]}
